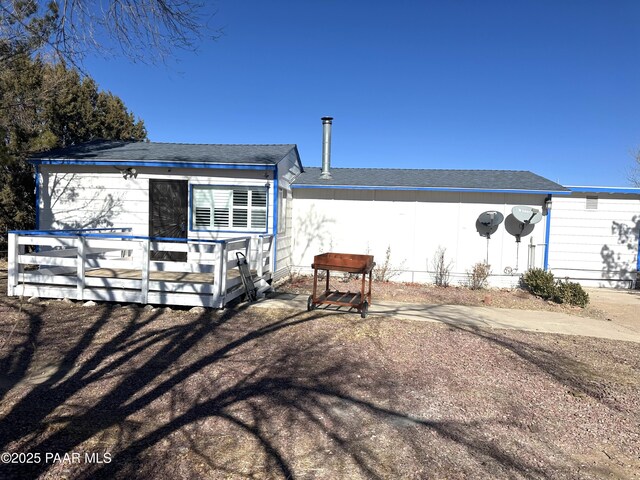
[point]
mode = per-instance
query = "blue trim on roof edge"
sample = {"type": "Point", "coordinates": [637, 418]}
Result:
{"type": "Point", "coordinates": [434, 189]}
{"type": "Point", "coordinates": [605, 190]}
{"type": "Point", "coordinates": [226, 166]}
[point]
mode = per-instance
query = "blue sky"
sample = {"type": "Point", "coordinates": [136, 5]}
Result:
{"type": "Point", "coordinates": [547, 86]}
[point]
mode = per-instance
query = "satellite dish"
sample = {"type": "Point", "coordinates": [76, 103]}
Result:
{"type": "Point", "coordinates": [526, 215]}
{"type": "Point", "coordinates": [488, 222]}
{"type": "Point", "coordinates": [517, 228]}
{"type": "Point", "coordinates": [491, 218]}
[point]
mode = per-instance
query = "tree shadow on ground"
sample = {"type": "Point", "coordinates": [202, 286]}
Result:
{"type": "Point", "coordinates": [573, 374]}
{"type": "Point", "coordinates": [236, 393]}
{"type": "Point", "coordinates": [16, 361]}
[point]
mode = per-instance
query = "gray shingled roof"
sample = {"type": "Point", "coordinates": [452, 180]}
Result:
{"type": "Point", "coordinates": [506, 180]}
{"type": "Point", "coordinates": [121, 151]}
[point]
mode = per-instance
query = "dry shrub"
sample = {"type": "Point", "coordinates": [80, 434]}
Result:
{"type": "Point", "coordinates": [478, 275]}
{"type": "Point", "coordinates": [441, 267]}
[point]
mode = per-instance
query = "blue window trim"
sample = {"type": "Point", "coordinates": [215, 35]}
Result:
{"type": "Point", "coordinates": [547, 237]}
{"type": "Point", "coordinates": [275, 221]}
{"type": "Point", "coordinates": [104, 163]}
{"type": "Point", "coordinates": [434, 189]}
{"type": "Point", "coordinates": [222, 230]}
{"type": "Point", "coordinates": [635, 191]}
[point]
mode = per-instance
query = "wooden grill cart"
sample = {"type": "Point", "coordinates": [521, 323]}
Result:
{"type": "Point", "coordinates": [342, 262]}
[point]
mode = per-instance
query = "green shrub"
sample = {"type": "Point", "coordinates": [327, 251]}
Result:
{"type": "Point", "coordinates": [542, 284]}
{"type": "Point", "coordinates": [539, 282]}
{"type": "Point", "coordinates": [571, 293]}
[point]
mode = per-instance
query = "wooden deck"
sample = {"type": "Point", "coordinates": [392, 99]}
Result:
{"type": "Point", "coordinates": [120, 268]}
{"type": "Point", "coordinates": [131, 274]}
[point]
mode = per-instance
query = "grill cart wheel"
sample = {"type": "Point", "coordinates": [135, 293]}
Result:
{"type": "Point", "coordinates": [310, 305]}
{"type": "Point", "coordinates": [365, 309]}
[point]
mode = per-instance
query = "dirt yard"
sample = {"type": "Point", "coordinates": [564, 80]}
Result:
{"type": "Point", "coordinates": [452, 295]}
{"type": "Point", "coordinates": [248, 393]}
{"type": "Point", "coordinates": [621, 306]}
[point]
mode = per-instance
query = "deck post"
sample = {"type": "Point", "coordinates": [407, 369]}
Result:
{"type": "Point", "coordinates": [215, 302]}
{"type": "Point", "coordinates": [13, 269]}
{"type": "Point", "coordinates": [144, 287]}
{"type": "Point", "coordinates": [260, 257]}
{"type": "Point", "coordinates": [222, 281]}
{"type": "Point", "coordinates": [80, 267]}
{"type": "Point", "coordinates": [267, 259]}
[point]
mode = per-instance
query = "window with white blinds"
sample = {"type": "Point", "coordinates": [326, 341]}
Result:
{"type": "Point", "coordinates": [236, 208]}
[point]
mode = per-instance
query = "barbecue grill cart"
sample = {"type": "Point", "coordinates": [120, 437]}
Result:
{"type": "Point", "coordinates": [342, 262]}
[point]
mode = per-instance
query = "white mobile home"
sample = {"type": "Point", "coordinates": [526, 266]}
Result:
{"type": "Point", "coordinates": [165, 223]}
{"type": "Point", "coordinates": [590, 235]}
{"type": "Point", "coordinates": [404, 216]}
{"type": "Point", "coordinates": [412, 213]}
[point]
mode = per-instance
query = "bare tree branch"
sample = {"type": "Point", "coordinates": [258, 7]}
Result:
{"type": "Point", "coordinates": [634, 172]}
{"type": "Point", "coordinates": [142, 30]}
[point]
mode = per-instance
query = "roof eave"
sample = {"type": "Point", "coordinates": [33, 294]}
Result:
{"type": "Point", "coordinates": [153, 163]}
{"type": "Point", "coordinates": [624, 190]}
{"type": "Point", "coordinates": [436, 189]}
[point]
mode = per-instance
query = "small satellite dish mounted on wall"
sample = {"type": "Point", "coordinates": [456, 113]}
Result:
{"type": "Point", "coordinates": [526, 215]}
{"type": "Point", "coordinates": [516, 228]}
{"type": "Point", "coordinates": [521, 223]}
{"type": "Point", "coordinates": [522, 220]}
{"type": "Point", "coordinates": [487, 224]}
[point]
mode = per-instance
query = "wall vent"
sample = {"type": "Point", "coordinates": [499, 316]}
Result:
{"type": "Point", "coordinates": [592, 203]}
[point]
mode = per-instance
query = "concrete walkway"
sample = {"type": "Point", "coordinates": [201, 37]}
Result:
{"type": "Point", "coordinates": [479, 317]}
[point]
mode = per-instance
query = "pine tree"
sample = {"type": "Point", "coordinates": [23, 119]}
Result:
{"type": "Point", "coordinates": [44, 106]}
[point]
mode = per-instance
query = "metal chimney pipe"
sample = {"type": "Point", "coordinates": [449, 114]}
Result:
{"type": "Point", "coordinates": [326, 147]}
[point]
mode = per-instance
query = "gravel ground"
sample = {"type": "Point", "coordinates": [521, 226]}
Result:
{"type": "Point", "coordinates": [164, 393]}
{"type": "Point", "coordinates": [452, 295]}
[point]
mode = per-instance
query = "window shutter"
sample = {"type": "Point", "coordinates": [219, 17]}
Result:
{"type": "Point", "coordinates": [259, 209]}
{"type": "Point", "coordinates": [220, 207]}
{"type": "Point", "coordinates": [203, 216]}
{"type": "Point", "coordinates": [202, 208]}
{"type": "Point", "coordinates": [258, 198]}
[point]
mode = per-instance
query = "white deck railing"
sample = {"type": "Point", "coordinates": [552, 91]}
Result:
{"type": "Point", "coordinates": [113, 265]}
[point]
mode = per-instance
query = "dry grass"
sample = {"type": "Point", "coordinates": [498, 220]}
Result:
{"type": "Point", "coordinates": [452, 295]}
{"type": "Point", "coordinates": [275, 394]}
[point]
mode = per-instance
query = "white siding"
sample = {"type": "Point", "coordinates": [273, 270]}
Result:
{"type": "Point", "coordinates": [599, 246]}
{"type": "Point", "coordinates": [97, 197]}
{"type": "Point", "coordinates": [288, 170]}
{"type": "Point", "coordinates": [413, 224]}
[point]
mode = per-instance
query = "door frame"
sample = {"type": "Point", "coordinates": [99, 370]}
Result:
{"type": "Point", "coordinates": [151, 203]}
